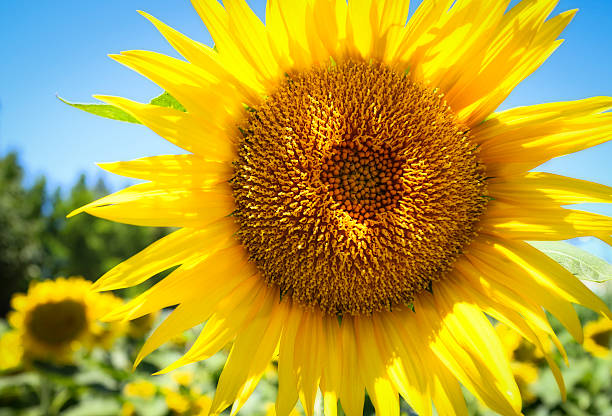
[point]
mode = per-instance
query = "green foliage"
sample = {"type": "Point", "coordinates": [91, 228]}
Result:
{"type": "Point", "coordinates": [166, 100]}
{"type": "Point", "coordinates": [104, 110]}
{"type": "Point", "coordinates": [20, 221]}
{"type": "Point", "coordinates": [581, 263]}
{"type": "Point", "coordinates": [115, 113]}
{"type": "Point", "coordinates": [85, 245]}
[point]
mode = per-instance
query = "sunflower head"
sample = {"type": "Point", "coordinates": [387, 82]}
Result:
{"type": "Point", "coordinates": [598, 337]}
{"type": "Point", "coordinates": [141, 388]}
{"type": "Point", "coordinates": [56, 317]}
{"type": "Point", "coordinates": [186, 401]}
{"type": "Point", "coordinates": [355, 187]}
{"type": "Point", "coordinates": [344, 161]}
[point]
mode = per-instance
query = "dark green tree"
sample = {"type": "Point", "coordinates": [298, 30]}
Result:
{"type": "Point", "coordinates": [21, 225]}
{"type": "Point", "coordinates": [85, 245]}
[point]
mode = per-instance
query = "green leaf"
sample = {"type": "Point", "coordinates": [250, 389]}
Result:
{"type": "Point", "coordinates": [115, 113]}
{"type": "Point", "coordinates": [166, 100]}
{"type": "Point", "coordinates": [103, 110]}
{"type": "Point", "coordinates": [582, 264]}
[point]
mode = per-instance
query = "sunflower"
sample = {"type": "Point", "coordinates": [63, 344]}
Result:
{"type": "Point", "coordinates": [56, 317]}
{"type": "Point", "coordinates": [598, 337]}
{"type": "Point", "coordinates": [350, 201]}
{"type": "Point", "coordinates": [187, 401]}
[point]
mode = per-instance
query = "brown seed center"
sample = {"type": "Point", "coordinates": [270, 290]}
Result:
{"type": "Point", "coordinates": [355, 187]}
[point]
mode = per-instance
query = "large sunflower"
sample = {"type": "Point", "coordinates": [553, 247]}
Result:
{"type": "Point", "coordinates": [351, 201]}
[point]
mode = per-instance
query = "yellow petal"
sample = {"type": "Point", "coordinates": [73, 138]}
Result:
{"type": "Point", "coordinates": [538, 188]}
{"type": "Point", "coordinates": [206, 58]}
{"type": "Point", "coordinates": [464, 341]}
{"type": "Point", "coordinates": [250, 355]}
{"type": "Point", "coordinates": [204, 95]}
{"type": "Point", "coordinates": [308, 358]}
{"type": "Point", "coordinates": [251, 37]}
{"type": "Point", "coordinates": [405, 369]}
{"type": "Point", "coordinates": [542, 46]}
{"type": "Point", "coordinates": [519, 293]}
{"type": "Point", "coordinates": [332, 366]}
{"type": "Point", "coordinates": [212, 278]}
{"type": "Point", "coordinates": [373, 368]}
{"type": "Point", "coordinates": [541, 222]}
{"type": "Point", "coordinates": [230, 315]}
{"type": "Point", "coordinates": [516, 141]}
{"type": "Point", "coordinates": [182, 246]}
{"type": "Point", "coordinates": [547, 273]}
{"type": "Point", "coordinates": [447, 395]}
{"type": "Point", "coordinates": [509, 317]}
{"type": "Point", "coordinates": [160, 206]}
{"type": "Point", "coordinates": [287, 379]}
{"type": "Point", "coordinates": [352, 392]}
{"type": "Point", "coordinates": [187, 171]}
{"type": "Point", "coordinates": [203, 138]}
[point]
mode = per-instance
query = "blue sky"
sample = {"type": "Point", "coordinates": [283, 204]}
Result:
{"type": "Point", "coordinates": [60, 47]}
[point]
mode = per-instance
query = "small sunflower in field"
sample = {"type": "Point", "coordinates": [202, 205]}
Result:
{"type": "Point", "coordinates": [56, 317]}
{"type": "Point", "coordinates": [351, 203]}
{"type": "Point", "coordinates": [187, 401]}
{"type": "Point", "coordinates": [598, 337]}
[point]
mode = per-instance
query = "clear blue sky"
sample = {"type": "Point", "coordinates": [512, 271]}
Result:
{"type": "Point", "coordinates": [54, 47]}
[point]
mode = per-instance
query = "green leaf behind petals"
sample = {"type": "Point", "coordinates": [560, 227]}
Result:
{"type": "Point", "coordinates": [115, 113]}
{"type": "Point", "coordinates": [582, 264]}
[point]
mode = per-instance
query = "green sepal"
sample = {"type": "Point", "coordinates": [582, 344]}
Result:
{"type": "Point", "coordinates": [580, 263]}
{"type": "Point", "coordinates": [115, 113]}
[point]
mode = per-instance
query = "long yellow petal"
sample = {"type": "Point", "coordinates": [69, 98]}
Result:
{"type": "Point", "coordinates": [518, 292]}
{"type": "Point", "coordinates": [352, 390]}
{"type": "Point", "coordinates": [287, 394]}
{"type": "Point", "coordinates": [187, 171]}
{"type": "Point", "coordinates": [517, 140]}
{"type": "Point", "coordinates": [250, 354]}
{"type": "Point", "coordinates": [511, 318]}
{"type": "Point", "coordinates": [180, 247]}
{"type": "Point", "coordinates": [466, 353]}
{"type": "Point", "coordinates": [206, 58]}
{"type": "Point", "coordinates": [204, 95]}
{"type": "Point", "coordinates": [405, 369]}
{"type": "Point", "coordinates": [547, 273]}
{"type": "Point", "coordinates": [251, 38]}
{"type": "Point", "coordinates": [332, 366]}
{"type": "Point", "coordinates": [373, 368]}
{"type": "Point", "coordinates": [231, 314]}
{"type": "Point", "coordinates": [308, 358]}
{"type": "Point", "coordinates": [537, 188]}
{"type": "Point", "coordinates": [160, 206]}
{"type": "Point", "coordinates": [203, 138]}
{"type": "Point", "coordinates": [212, 278]}
{"type": "Point", "coordinates": [447, 395]}
{"type": "Point", "coordinates": [541, 222]}
{"type": "Point", "coordinates": [543, 45]}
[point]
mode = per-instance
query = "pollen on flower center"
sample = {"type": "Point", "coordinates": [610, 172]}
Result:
{"type": "Point", "coordinates": [355, 187]}
{"type": "Point", "coordinates": [364, 176]}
